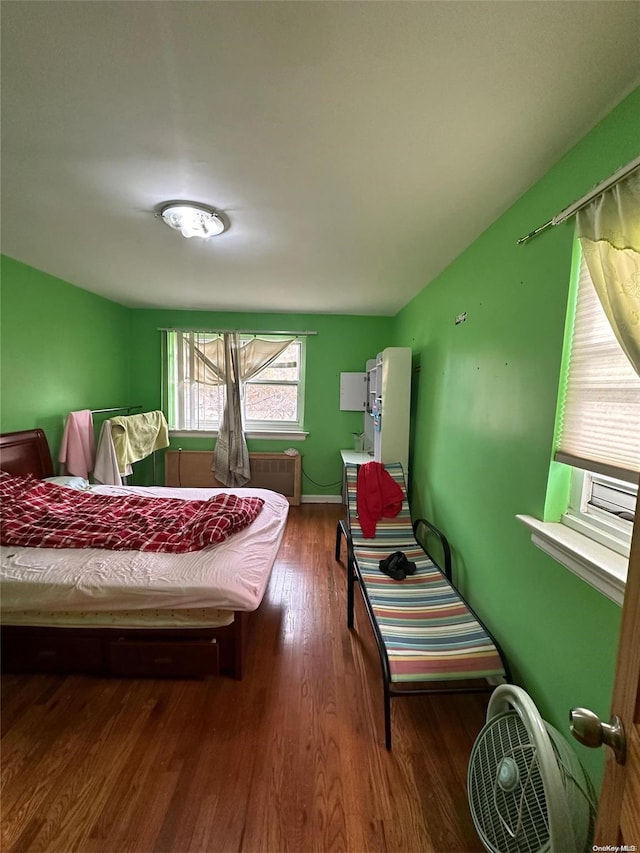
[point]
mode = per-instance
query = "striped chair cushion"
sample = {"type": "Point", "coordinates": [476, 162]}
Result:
{"type": "Point", "coordinates": [428, 631]}
{"type": "Point", "coordinates": [389, 531]}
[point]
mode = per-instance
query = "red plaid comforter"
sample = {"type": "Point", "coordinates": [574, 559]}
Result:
{"type": "Point", "coordinates": [44, 515]}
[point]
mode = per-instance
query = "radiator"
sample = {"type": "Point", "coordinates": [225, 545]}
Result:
{"type": "Point", "coordinates": [276, 471]}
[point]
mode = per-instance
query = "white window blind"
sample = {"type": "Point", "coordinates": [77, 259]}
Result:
{"type": "Point", "coordinates": [600, 412]}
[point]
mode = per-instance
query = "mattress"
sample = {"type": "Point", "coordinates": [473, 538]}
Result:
{"type": "Point", "coordinates": [151, 619]}
{"type": "Point", "coordinates": [232, 575]}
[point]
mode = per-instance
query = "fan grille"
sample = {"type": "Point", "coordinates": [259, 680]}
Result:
{"type": "Point", "coordinates": [513, 820]}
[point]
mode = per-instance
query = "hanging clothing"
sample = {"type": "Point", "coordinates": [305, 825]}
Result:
{"type": "Point", "coordinates": [106, 469]}
{"type": "Point", "coordinates": [377, 495]}
{"type": "Point", "coordinates": [78, 448]}
{"type": "Point", "coordinates": [137, 436]}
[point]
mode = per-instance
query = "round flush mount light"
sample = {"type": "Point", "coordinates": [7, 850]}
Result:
{"type": "Point", "coordinates": [192, 219]}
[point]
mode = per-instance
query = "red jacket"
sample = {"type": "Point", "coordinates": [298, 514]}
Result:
{"type": "Point", "coordinates": [377, 496]}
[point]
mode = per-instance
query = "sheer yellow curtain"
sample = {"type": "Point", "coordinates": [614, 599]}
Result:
{"type": "Point", "coordinates": [258, 353]}
{"type": "Point", "coordinates": [609, 232]}
{"type": "Point", "coordinates": [208, 367]}
{"type": "Point", "coordinates": [253, 356]}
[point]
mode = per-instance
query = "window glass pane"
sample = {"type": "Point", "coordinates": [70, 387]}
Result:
{"type": "Point", "coordinates": [613, 496]}
{"type": "Point", "coordinates": [209, 403]}
{"type": "Point", "coordinates": [271, 402]}
{"type": "Point", "coordinates": [602, 508]}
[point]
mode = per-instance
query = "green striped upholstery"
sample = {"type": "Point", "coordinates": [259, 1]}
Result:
{"type": "Point", "coordinates": [428, 631]}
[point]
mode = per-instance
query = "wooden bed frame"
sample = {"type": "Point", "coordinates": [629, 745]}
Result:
{"type": "Point", "coordinates": [172, 652]}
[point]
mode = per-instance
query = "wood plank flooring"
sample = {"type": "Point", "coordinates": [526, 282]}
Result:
{"type": "Point", "coordinates": [291, 759]}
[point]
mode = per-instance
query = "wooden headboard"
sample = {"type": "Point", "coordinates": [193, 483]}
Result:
{"type": "Point", "coordinates": [26, 452]}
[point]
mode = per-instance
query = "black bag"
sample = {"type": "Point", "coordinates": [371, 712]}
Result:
{"type": "Point", "coordinates": [397, 566]}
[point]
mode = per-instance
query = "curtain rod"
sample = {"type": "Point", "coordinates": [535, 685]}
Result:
{"type": "Point", "coordinates": [240, 331]}
{"type": "Point", "coordinates": [582, 202]}
{"type": "Point", "coordinates": [115, 409]}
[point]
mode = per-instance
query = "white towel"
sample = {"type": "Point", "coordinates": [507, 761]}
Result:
{"type": "Point", "coordinates": [106, 467]}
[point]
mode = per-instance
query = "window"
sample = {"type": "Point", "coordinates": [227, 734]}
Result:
{"type": "Point", "coordinates": [599, 425]}
{"type": "Point", "coordinates": [597, 438]}
{"type": "Point", "coordinates": [602, 508]}
{"type": "Point", "coordinates": [600, 404]}
{"type": "Point", "coordinates": [272, 397]}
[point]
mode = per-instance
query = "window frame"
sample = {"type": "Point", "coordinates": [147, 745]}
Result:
{"type": "Point", "coordinates": [575, 449]}
{"type": "Point", "coordinates": [590, 542]}
{"type": "Point", "coordinates": [180, 400]}
{"type": "Point", "coordinates": [278, 426]}
{"type": "Point", "coordinates": [597, 523]}
{"type": "Point", "coordinates": [580, 514]}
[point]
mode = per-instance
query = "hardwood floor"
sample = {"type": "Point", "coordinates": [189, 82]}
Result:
{"type": "Point", "coordinates": [290, 759]}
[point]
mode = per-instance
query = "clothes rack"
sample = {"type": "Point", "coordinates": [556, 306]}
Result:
{"type": "Point", "coordinates": [115, 409]}
{"type": "Point", "coordinates": [128, 410]}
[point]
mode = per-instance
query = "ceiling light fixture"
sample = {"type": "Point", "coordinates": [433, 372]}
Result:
{"type": "Point", "coordinates": [193, 219]}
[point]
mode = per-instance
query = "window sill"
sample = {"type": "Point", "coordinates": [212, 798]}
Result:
{"type": "Point", "coordinates": [594, 563]}
{"type": "Point", "coordinates": [283, 435]}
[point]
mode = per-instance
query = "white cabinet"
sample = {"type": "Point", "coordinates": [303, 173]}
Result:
{"type": "Point", "coordinates": [353, 392]}
{"type": "Point", "coordinates": [383, 391]}
{"type": "Point", "coordinates": [389, 405]}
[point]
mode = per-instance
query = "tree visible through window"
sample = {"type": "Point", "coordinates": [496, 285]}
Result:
{"type": "Point", "coordinates": [273, 395]}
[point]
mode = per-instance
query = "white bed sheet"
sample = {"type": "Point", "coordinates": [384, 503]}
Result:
{"type": "Point", "coordinates": [232, 575]}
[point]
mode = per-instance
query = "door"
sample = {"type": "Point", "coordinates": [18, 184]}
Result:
{"type": "Point", "coordinates": [619, 812]}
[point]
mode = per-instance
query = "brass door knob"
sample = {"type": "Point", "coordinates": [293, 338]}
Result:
{"type": "Point", "coordinates": [587, 728]}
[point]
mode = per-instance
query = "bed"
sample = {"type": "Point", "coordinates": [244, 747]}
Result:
{"type": "Point", "coordinates": [133, 613]}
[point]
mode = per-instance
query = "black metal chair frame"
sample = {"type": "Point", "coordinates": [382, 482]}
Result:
{"type": "Point", "coordinates": [353, 575]}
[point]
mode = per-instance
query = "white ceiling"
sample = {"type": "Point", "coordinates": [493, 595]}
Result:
{"type": "Point", "coordinates": [356, 147]}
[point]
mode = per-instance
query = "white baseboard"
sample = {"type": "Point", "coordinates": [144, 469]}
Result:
{"type": "Point", "coordinates": [321, 499]}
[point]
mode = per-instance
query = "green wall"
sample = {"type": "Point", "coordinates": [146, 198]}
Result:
{"type": "Point", "coordinates": [61, 349]}
{"type": "Point", "coordinates": [342, 343]}
{"type": "Point", "coordinates": [483, 412]}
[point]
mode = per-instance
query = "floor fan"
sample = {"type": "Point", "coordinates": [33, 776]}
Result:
{"type": "Point", "coordinates": [527, 790]}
